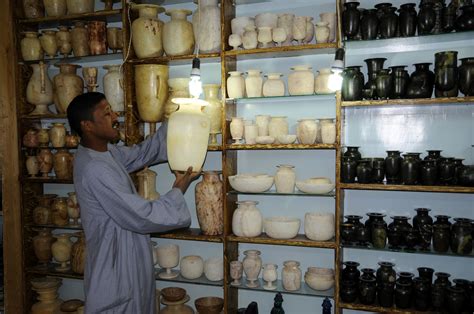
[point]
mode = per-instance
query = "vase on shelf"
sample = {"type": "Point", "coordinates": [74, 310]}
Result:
{"type": "Point", "coordinates": [147, 31]}
{"type": "Point", "coordinates": [213, 110]}
{"type": "Point", "coordinates": [209, 208]}
{"type": "Point", "coordinates": [178, 37]}
{"type": "Point", "coordinates": [62, 251]}
{"type": "Point", "coordinates": [206, 22]}
{"type": "Point", "coordinates": [39, 91]}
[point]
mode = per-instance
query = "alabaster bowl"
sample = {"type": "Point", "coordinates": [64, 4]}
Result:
{"type": "Point", "coordinates": [251, 183]}
{"type": "Point", "coordinates": [173, 294]}
{"type": "Point", "coordinates": [286, 139]}
{"type": "Point", "coordinates": [281, 227]}
{"type": "Point", "coordinates": [315, 186]}
{"type": "Point", "coordinates": [319, 278]}
{"type": "Point", "coordinates": [265, 139]}
{"type": "Point", "coordinates": [209, 305]}
{"type": "Point", "coordinates": [319, 226]}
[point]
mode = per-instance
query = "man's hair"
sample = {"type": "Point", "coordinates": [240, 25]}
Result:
{"type": "Point", "coordinates": [82, 108]}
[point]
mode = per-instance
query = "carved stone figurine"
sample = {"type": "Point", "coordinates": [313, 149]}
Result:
{"type": "Point", "coordinates": [327, 306]}
{"type": "Point", "coordinates": [277, 305]}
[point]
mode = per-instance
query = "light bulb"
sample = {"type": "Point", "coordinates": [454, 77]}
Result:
{"type": "Point", "coordinates": [195, 84]}
{"type": "Point", "coordinates": [335, 81]}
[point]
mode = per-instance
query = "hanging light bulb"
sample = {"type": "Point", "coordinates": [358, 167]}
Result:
{"type": "Point", "coordinates": [335, 79]}
{"type": "Point", "coordinates": [195, 84]}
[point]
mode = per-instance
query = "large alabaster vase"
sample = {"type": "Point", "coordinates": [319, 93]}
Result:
{"type": "Point", "coordinates": [147, 31]}
{"type": "Point", "coordinates": [188, 134]}
{"type": "Point", "coordinates": [151, 87]}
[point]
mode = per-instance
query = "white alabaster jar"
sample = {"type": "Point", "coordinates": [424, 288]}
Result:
{"type": "Point", "coordinates": [247, 220]}
{"type": "Point", "coordinates": [307, 131]}
{"type": "Point", "coordinates": [301, 80]}
{"type": "Point", "coordinates": [274, 85]}
{"type": "Point", "coordinates": [285, 179]}
{"type": "Point", "coordinates": [254, 83]}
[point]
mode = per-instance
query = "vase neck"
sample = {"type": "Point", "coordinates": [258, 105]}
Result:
{"type": "Point", "coordinates": [67, 68]}
{"type": "Point", "coordinates": [148, 12]}
{"type": "Point", "coordinates": [210, 176]}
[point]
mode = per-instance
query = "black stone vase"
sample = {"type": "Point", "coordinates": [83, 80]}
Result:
{"type": "Point", "coordinates": [449, 17]}
{"type": "Point", "coordinates": [350, 272]}
{"type": "Point", "coordinates": [426, 18]}
{"type": "Point", "coordinates": [349, 291]}
{"type": "Point", "coordinates": [466, 76]}
{"type": "Point", "coordinates": [426, 273]}
{"type": "Point", "coordinates": [422, 218]}
{"type": "Point", "coordinates": [364, 171]}
{"type": "Point", "coordinates": [368, 273]}
{"type": "Point", "coordinates": [446, 74]}
{"type": "Point", "coordinates": [441, 237]}
{"type": "Point", "coordinates": [388, 26]}
{"type": "Point", "coordinates": [455, 300]}
{"type": "Point", "coordinates": [434, 155]}
{"type": "Point", "coordinates": [465, 21]}
{"type": "Point", "coordinates": [393, 164]}
{"type": "Point", "coordinates": [401, 227]}
{"type": "Point", "coordinates": [353, 152]}
{"type": "Point", "coordinates": [369, 25]}
{"type": "Point", "coordinates": [464, 285]}
{"type": "Point", "coordinates": [442, 279]}
{"type": "Point", "coordinates": [446, 168]}
{"type": "Point", "coordinates": [384, 84]}
{"type": "Point", "coordinates": [348, 169]}
{"type": "Point", "coordinates": [386, 273]}
{"type": "Point", "coordinates": [348, 234]}
{"type": "Point", "coordinates": [379, 235]}
{"type": "Point", "coordinates": [378, 169]}
{"type": "Point", "coordinates": [442, 220]}
{"type": "Point", "coordinates": [403, 293]}
{"type": "Point", "coordinates": [458, 168]}
{"type": "Point", "coordinates": [354, 220]}
{"type": "Point", "coordinates": [385, 294]}
{"type": "Point", "coordinates": [400, 80]}
{"type": "Point", "coordinates": [421, 82]}
{"type": "Point", "coordinates": [410, 169]}
{"type": "Point", "coordinates": [405, 277]}
{"type": "Point", "coordinates": [461, 236]}
{"type": "Point", "coordinates": [352, 84]}
{"type": "Point", "coordinates": [367, 290]}
{"type": "Point", "coordinates": [422, 296]}
{"type": "Point", "coordinates": [438, 8]}
{"type": "Point", "coordinates": [374, 65]}
{"type": "Point", "coordinates": [372, 218]}
{"type": "Point", "coordinates": [350, 19]}
{"type": "Point", "coordinates": [429, 172]}
{"type": "Point", "coordinates": [437, 297]}
{"type": "Point", "coordinates": [407, 20]}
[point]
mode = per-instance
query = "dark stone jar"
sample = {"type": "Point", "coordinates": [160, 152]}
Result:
{"type": "Point", "coordinates": [349, 291]}
{"type": "Point", "coordinates": [368, 273]}
{"type": "Point", "coordinates": [386, 273]}
{"type": "Point", "coordinates": [426, 273]}
{"type": "Point", "coordinates": [379, 234]}
{"type": "Point", "coordinates": [438, 7]}
{"type": "Point", "coordinates": [369, 25]}
{"type": "Point", "coordinates": [374, 65]}
{"type": "Point", "coordinates": [388, 26]}
{"type": "Point", "coordinates": [438, 293]}
{"type": "Point", "coordinates": [421, 82]}
{"type": "Point", "coordinates": [393, 165]}
{"type": "Point", "coordinates": [384, 84]}
{"type": "Point", "coordinates": [446, 170]}
{"type": "Point", "coordinates": [407, 20]}
{"type": "Point", "coordinates": [412, 239]}
{"type": "Point", "coordinates": [362, 236]}
{"type": "Point", "coordinates": [350, 272]}
{"type": "Point", "coordinates": [433, 155]}
{"type": "Point", "coordinates": [449, 16]}
{"type": "Point", "coordinates": [458, 168]}
{"type": "Point", "coordinates": [395, 238]}
{"type": "Point", "coordinates": [455, 300]}
{"type": "Point", "coordinates": [378, 169]}
{"type": "Point", "coordinates": [426, 18]}
{"type": "Point", "coordinates": [352, 83]}
{"type": "Point", "coordinates": [406, 277]}
{"type": "Point", "coordinates": [466, 76]}
{"type": "Point", "coordinates": [465, 286]}
{"type": "Point", "coordinates": [354, 220]}
{"type": "Point", "coordinates": [422, 296]}
{"type": "Point", "coordinates": [466, 177]}
{"type": "Point", "coordinates": [446, 59]}
{"type": "Point", "coordinates": [429, 172]}
{"type": "Point", "coordinates": [348, 169]}
{"type": "Point", "coordinates": [353, 152]}
{"type": "Point", "coordinates": [403, 293]}
{"type": "Point", "coordinates": [401, 227]}
{"type": "Point", "coordinates": [372, 218]}
{"type": "Point", "coordinates": [364, 171]}
{"type": "Point", "coordinates": [422, 218]}
{"type": "Point", "coordinates": [461, 236]}
{"type": "Point", "coordinates": [442, 220]}
{"type": "Point", "coordinates": [348, 234]}
{"type": "Point", "coordinates": [385, 293]}
{"type": "Point", "coordinates": [442, 279]}
{"type": "Point", "coordinates": [441, 238]}
{"type": "Point", "coordinates": [382, 9]}
{"type": "Point", "coordinates": [410, 169]}
{"type": "Point", "coordinates": [465, 22]}
{"type": "Point", "coordinates": [350, 19]}
{"type": "Point", "coordinates": [400, 80]}
{"type": "Point", "coordinates": [367, 290]}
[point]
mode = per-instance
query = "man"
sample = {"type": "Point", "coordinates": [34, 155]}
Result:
{"type": "Point", "coordinates": [119, 275]}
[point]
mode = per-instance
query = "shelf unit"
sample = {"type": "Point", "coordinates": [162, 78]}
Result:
{"type": "Point", "coordinates": [228, 60]}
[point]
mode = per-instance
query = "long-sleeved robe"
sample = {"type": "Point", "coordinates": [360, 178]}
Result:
{"type": "Point", "coordinates": [119, 276]}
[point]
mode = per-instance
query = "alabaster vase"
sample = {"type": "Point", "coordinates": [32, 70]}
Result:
{"type": "Point", "coordinates": [73, 209]}
{"type": "Point", "coordinates": [285, 179]}
{"type": "Point", "coordinates": [151, 88]}
{"type": "Point", "coordinates": [168, 257]}
{"type": "Point", "coordinates": [67, 86]}
{"type": "Point", "coordinates": [39, 91]}
{"type": "Point", "coordinates": [42, 212]}
{"type": "Point", "coordinates": [31, 47]}
{"type": "Point", "coordinates": [191, 266]}
{"type": "Point", "coordinates": [55, 7]}
{"type": "Point", "coordinates": [59, 215]}
{"type": "Point", "coordinates": [80, 6]}
{"type": "Point", "coordinates": [291, 275]}
{"type": "Point", "coordinates": [49, 43]}
{"type": "Point", "coordinates": [178, 88]}
{"type": "Point", "coordinates": [252, 265]}
{"type": "Point", "coordinates": [113, 87]}
{"type": "Point", "coordinates": [97, 37]}
{"type": "Point", "coordinates": [62, 251]}
{"type": "Point", "coordinates": [236, 269]}
{"type": "Point", "coordinates": [247, 221]}
{"type": "Point", "coordinates": [64, 40]}
{"type": "Point", "coordinates": [213, 110]}
{"type": "Point", "coordinates": [147, 31]}
{"type": "Point", "coordinates": [147, 185]}
{"type": "Point", "coordinates": [63, 163]}
{"type": "Point", "coordinates": [209, 208]}
{"type": "Point", "coordinates": [42, 246]}
{"type": "Point", "coordinates": [45, 162]}
{"type": "Point", "coordinates": [178, 36]}
{"type": "Point", "coordinates": [270, 275]}
{"type": "Point", "coordinates": [57, 135]}
{"type": "Point", "coordinates": [47, 289]}
{"type": "Point", "coordinates": [80, 40]}
{"type": "Point", "coordinates": [188, 135]}
{"type": "Point", "coordinates": [32, 166]}
{"type": "Point", "coordinates": [207, 26]}
{"type": "Point", "coordinates": [78, 253]}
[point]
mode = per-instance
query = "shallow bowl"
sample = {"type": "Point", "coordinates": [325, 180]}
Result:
{"type": "Point", "coordinates": [251, 184]}
{"type": "Point", "coordinates": [281, 227]}
{"type": "Point", "coordinates": [265, 139]}
{"type": "Point", "coordinates": [319, 278]}
{"type": "Point", "coordinates": [286, 139]}
{"type": "Point", "coordinates": [173, 294]}
{"type": "Point", "coordinates": [314, 188]}
{"type": "Point", "coordinates": [209, 305]}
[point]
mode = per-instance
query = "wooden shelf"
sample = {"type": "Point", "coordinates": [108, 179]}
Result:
{"type": "Point", "coordinates": [214, 148]}
{"type": "Point", "coordinates": [379, 309]}
{"type": "Point", "coordinates": [274, 192]}
{"type": "Point", "coordinates": [299, 240]}
{"type": "Point", "coordinates": [410, 102]}
{"type": "Point", "coordinates": [278, 146]}
{"type": "Point", "coordinates": [284, 51]}
{"type": "Point", "coordinates": [304, 290]}
{"type": "Point", "coordinates": [431, 251]}
{"type": "Point", "coordinates": [199, 281]}
{"type": "Point", "coordinates": [178, 60]}
{"type": "Point", "coordinates": [191, 234]}
{"type": "Point", "coordinates": [51, 271]}
{"type": "Point", "coordinates": [110, 16]}
{"type": "Point", "coordinates": [409, 188]}
{"type": "Point", "coordinates": [85, 59]}
{"type": "Point", "coordinates": [47, 180]}
{"type": "Point", "coordinates": [286, 98]}
{"type": "Point", "coordinates": [51, 226]}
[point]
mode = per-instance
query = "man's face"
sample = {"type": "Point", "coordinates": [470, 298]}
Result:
{"type": "Point", "coordinates": [105, 124]}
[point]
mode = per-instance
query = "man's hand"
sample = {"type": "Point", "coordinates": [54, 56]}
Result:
{"type": "Point", "coordinates": [183, 180]}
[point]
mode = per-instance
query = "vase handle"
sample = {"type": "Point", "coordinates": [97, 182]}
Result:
{"type": "Point", "coordinates": [42, 77]}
